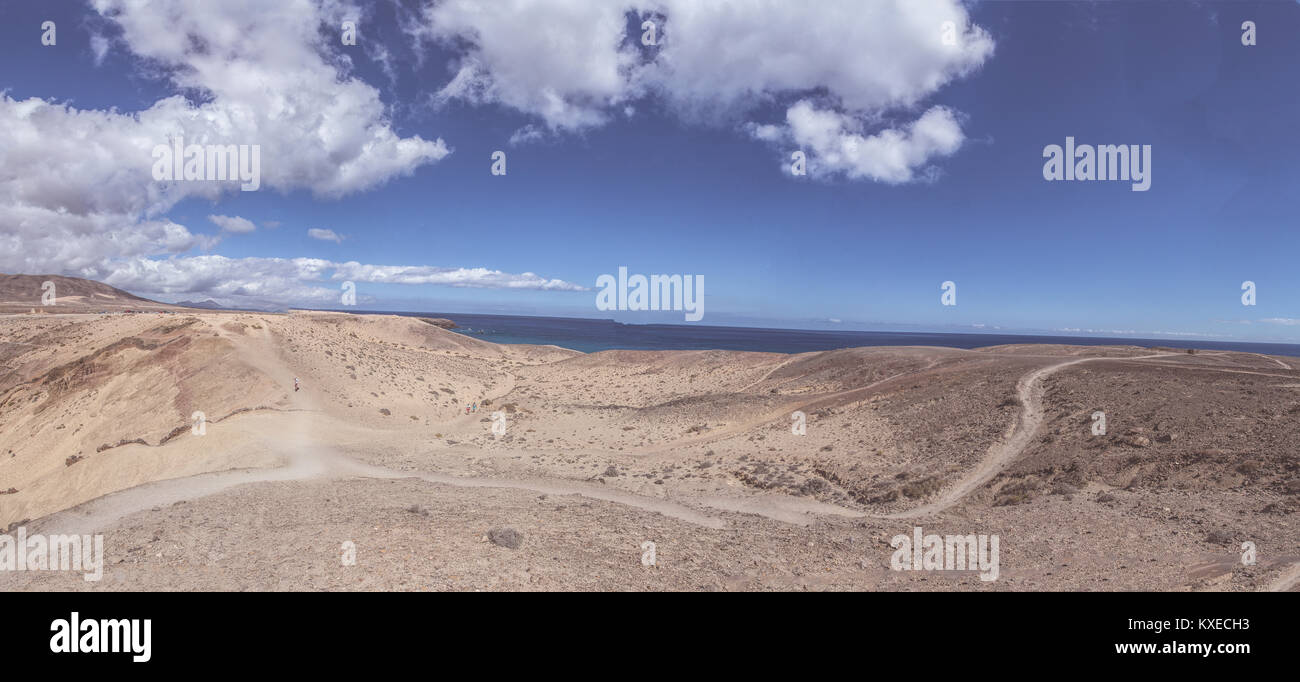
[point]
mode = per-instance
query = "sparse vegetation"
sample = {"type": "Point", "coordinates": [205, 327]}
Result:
{"type": "Point", "coordinates": [922, 488]}
{"type": "Point", "coordinates": [506, 537]}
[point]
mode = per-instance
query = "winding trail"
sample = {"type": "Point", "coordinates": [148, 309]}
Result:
{"type": "Point", "coordinates": [1287, 581]}
{"type": "Point", "coordinates": [1280, 363]}
{"type": "Point", "coordinates": [290, 434]}
{"type": "Point", "coordinates": [767, 375]}
{"type": "Point", "coordinates": [1021, 432]}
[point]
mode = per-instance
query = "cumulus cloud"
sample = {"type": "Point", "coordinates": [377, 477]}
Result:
{"type": "Point", "coordinates": [572, 64]}
{"type": "Point", "coordinates": [835, 144]}
{"type": "Point", "coordinates": [294, 281]}
{"type": "Point", "coordinates": [562, 60]}
{"type": "Point", "coordinates": [867, 55]}
{"type": "Point", "coordinates": [265, 69]}
{"type": "Point", "coordinates": [325, 235]}
{"type": "Point", "coordinates": [251, 72]}
{"type": "Point", "coordinates": [233, 224]}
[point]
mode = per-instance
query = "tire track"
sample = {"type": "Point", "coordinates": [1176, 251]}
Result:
{"type": "Point", "coordinates": [1030, 392]}
{"type": "Point", "coordinates": [1287, 581]}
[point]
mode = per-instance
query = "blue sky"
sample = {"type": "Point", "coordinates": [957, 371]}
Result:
{"type": "Point", "coordinates": [672, 179]}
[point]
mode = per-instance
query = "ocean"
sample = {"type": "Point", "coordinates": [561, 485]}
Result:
{"type": "Point", "coordinates": [589, 336]}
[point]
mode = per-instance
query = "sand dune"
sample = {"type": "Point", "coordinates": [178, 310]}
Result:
{"type": "Point", "coordinates": [692, 450]}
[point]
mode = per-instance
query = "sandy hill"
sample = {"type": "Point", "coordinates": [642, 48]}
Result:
{"type": "Point", "coordinates": [601, 452]}
{"type": "Point", "coordinates": [24, 293]}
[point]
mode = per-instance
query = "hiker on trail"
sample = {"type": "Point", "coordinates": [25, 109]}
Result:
{"type": "Point", "coordinates": [295, 384]}
{"type": "Point", "coordinates": [475, 407]}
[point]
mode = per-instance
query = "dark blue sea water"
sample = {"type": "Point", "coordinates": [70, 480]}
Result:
{"type": "Point", "coordinates": [588, 336]}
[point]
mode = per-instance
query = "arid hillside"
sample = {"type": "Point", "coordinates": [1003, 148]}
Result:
{"type": "Point", "coordinates": [452, 463]}
{"type": "Point", "coordinates": [59, 294]}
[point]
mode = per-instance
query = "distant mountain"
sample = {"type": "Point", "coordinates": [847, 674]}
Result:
{"type": "Point", "coordinates": [59, 294]}
{"type": "Point", "coordinates": [213, 305]}
{"type": "Point", "coordinates": [208, 304]}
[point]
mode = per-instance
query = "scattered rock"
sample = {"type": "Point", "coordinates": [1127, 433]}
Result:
{"type": "Point", "coordinates": [1136, 441]}
{"type": "Point", "coordinates": [1064, 489]}
{"type": "Point", "coordinates": [1218, 537]}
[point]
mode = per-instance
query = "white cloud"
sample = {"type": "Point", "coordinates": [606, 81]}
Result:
{"type": "Point", "coordinates": [835, 144]}
{"type": "Point", "coordinates": [526, 134]}
{"type": "Point", "coordinates": [572, 64]}
{"type": "Point", "coordinates": [259, 73]}
{"type": "Point", "coordinates": [867, 55]}
{"type": "Point", "coordinates": [257, 282]}
{"type": "Point", "coordinates": [325, 235]}
{"type": "Point", "coordinates": [1287, 321]}
{"type": "Point", "coordinates": [456, 277]}
{"type": "Point", "coordinates": [233, 224]}
{"type": "Point", "coordinates": [264, 67]}
{"type": "Point", "coordinates": [99, 47]}
{"type": "Point", "coordinates": [563, 60]}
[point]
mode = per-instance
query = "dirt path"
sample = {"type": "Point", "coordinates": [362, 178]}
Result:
{"type": "Point", "coordinates": [768, 375]}
{"type": "Point", "coordinates": [1287, 581]}
{"type": "Point", "coordinates": [289, 434]}
{"type": "Point", "coordinates": [1279, 363]}
{"type": "Point", "coordinates": [1030, 392]}
{"type": "Point", "coordinates": [1001, 454]}
{"type": "Point", "coordinates": [314, 461]}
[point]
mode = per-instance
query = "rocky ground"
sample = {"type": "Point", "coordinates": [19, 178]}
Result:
{"type": "Point", "coordinates": [690, 450]}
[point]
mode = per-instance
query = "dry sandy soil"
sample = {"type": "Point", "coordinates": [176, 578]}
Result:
{"type": "Point", "coordinates": [692, 451]}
